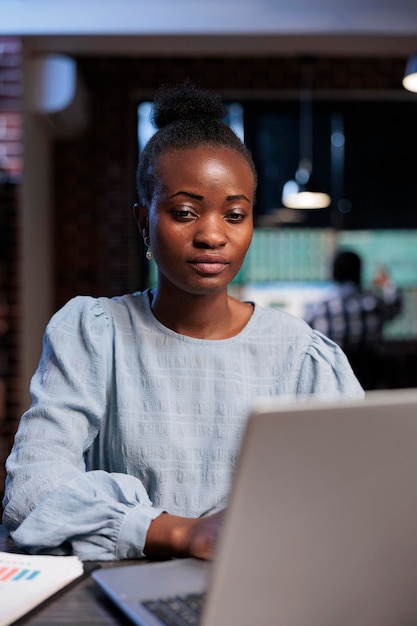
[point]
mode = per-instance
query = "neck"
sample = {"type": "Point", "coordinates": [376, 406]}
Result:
{"type": "Point", "coordinates": [214, 316]}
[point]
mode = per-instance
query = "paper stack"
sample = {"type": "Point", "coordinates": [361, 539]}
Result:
{"type": "Point", "coordinates": [26, 581]}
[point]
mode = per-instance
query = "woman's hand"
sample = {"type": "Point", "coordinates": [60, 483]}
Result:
{"type": "Point", "coordinates": [173, 536]}
{"type": "Point", "coordinates": [203, 534]}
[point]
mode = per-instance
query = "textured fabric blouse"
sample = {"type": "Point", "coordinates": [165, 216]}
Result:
{"type": "Point", "coordinates": [129, 419]}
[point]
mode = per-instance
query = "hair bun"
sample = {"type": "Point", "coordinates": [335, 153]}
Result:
{"type": "Point", "coordinates": [185, 102]}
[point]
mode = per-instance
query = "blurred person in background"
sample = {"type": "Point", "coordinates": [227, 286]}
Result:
{"type": "Point", "coordinates": [354, 317]}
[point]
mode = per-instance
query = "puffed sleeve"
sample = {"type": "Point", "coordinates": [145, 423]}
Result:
{"type": "Point", "coordinates": [52, 504]}
{"type": "Point", "coordinates": [326, 370]}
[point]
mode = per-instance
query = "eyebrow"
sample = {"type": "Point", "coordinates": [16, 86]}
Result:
{"type": "Point", "coordinates": [195, 196]}
{"type": "Point", "coordinates": [188, 194]}
{"type": "Point", "coordinates": [238, 196]}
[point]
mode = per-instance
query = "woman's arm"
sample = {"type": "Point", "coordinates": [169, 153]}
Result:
{"type": "Point", "coordinates": [52, 503]}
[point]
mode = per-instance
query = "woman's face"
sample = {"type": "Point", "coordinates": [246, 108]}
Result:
{"type": "Point", "coordinates": [200, 220]}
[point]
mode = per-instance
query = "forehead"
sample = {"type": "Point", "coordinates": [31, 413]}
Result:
{"type": "Point", "coordinates": [215, 161]}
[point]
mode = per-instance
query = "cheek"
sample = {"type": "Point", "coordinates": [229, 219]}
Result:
{"type": "Point", "coordinates": [246, 240]}
{"type": "Point", "coordinates": [167, 244]}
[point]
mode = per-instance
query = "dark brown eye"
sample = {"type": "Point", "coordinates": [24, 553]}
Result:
{"type": "Point", "coordinates": [235, 217]}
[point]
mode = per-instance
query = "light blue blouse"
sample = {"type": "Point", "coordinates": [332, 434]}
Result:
{"type": "Point", "coordinates": [129, 419]}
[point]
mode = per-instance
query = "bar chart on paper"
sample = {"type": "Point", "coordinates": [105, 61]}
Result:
{"type": "Point", "coordinates": [26, 581]}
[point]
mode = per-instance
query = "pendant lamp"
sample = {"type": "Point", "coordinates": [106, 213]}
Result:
{"type": "Point", "coordinates": [302, 192]}
{"type": "Point", "coordinates": [410, 74]}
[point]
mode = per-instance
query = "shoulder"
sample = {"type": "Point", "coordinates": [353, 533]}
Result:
{"type": "Point", "coordinates": [321, 365]}
{"type": "Point", "coordinates": [297, 333]}
{"type": "Point", "coordinates": [280, 321]}
{"type": "Point", "coordinates": [285, 331]}
{"type": "Point", "coordinates": [75, 309]}
{"type": "Point", "coordinates": [93, 315]}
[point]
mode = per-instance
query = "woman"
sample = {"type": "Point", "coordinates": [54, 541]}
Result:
{"type": "Point", "coordinates": [150, 391]}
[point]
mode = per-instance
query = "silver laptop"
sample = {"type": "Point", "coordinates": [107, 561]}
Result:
{"type": "Point", "coordinates": [321, 528]}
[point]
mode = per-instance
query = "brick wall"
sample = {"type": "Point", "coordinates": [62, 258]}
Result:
{"type": "Point", "coordinates": [10, 173]}
{"type": "Point", "coordinates": [11, 146]}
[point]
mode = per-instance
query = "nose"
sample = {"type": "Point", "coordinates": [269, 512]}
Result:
{"type": "Point", "coordinates": [210, 232]}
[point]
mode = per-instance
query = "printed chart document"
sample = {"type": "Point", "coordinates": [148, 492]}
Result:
{"type": "Point", "coordinates": [26, 581]}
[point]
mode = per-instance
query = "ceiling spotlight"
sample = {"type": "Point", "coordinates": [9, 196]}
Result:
{"type": "Point", "coordinates": [410, 74]}
{"type": "Point", "coordinates": [302, 192]}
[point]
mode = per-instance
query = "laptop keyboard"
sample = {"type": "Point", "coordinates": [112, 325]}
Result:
{"type": "Point", "coordinates": [183, 610]}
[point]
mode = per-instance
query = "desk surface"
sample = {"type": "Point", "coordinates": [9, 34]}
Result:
{"type": "Point", "coordinates": [82, 605]}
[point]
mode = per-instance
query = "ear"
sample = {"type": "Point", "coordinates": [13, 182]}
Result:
{"type": "Point", "coordinates": [141, 217]}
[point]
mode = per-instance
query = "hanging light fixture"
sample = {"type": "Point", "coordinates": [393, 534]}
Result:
{"type": "Point", "coordinates": [302, 192]}
{"type": "Point", "coordinates": [410, 74]}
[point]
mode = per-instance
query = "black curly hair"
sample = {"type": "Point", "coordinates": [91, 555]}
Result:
{"type": "Point", "coordinates": [186, 117]}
